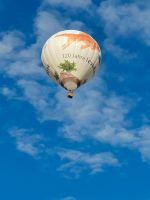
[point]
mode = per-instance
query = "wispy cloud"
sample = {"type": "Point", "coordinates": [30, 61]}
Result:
{"type": "Point", "coordinates": [54, 20]}
{"type": "Point", "coordinates": [117, 51]}
{"type": "Point", "coordinates": [38, 95]}
{"type": "Point", "coordinates": [10, 42]}
{"type": "Point", "coordinates": [27, 142]}
{"type": "Point", "coordinates": [125, 20]}
{"type": "Point", "coordinates": [72, 162]}
{"type": "Point", "coordinates": [45, 19]}
{"type": "Point", "coordinates": [68, 198]}
{"type": "Point", "coordinates": [77, 161]}
{"type": "Point", "coordinates": [8, 92]}
{"type": "Point", "coordinates": [143, 143]}
{"type": "Point", "coordinates": [82, 4]}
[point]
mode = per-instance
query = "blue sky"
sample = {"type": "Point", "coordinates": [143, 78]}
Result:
{"type": "Point", "coordinates": [95, 146]}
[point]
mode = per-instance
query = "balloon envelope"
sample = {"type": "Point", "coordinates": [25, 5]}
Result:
{"type": "Point", "coordinates": [71, 58]}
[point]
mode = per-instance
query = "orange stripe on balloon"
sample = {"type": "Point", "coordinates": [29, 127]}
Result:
{"type": "Point", "coordinates": [81, 37]}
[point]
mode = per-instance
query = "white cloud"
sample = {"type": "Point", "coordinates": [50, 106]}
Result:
{"type": "Point", "coordinates": [102, 108]}
{"type": "Point", "coordinates": [47, 24]}
{"type": "Point", "coordinates": [82, 4]}
{"type": "Point", "coordinates": [9, 42]}
{"type": "Point", "coordinates": [144, 142]}
{"type": "Point", "coordinates": [39, 96]}
{"type": "Point", "coordinates": [78, 25]}
{"type": "Point", "coordinates": [77, 161]}
{"type": "Point", "coordinates": [118, 52]}
{"type": "Point", "coordinates": [68, 198]}
{"type": "Point", "coordinates": [125, 20]}
{"type": "Point", "coordinates": [103, 118]}
{"type": "Point", "coordinates": [27, 142]}
{"type": "Point", "coordinates": [20, 60]}
{"type": "Point", "coordinates": [10, 93]}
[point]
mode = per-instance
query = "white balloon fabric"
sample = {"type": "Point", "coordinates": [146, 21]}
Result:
{"type": "Point", "coordinates": [71, 58]}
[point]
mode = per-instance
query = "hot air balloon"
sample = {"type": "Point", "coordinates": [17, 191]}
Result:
{"type": "Point", "coordinates": [71, 58]}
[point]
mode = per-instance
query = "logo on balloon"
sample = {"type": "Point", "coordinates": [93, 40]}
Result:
{"type": "Point", "coordinates": [66, 75]}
